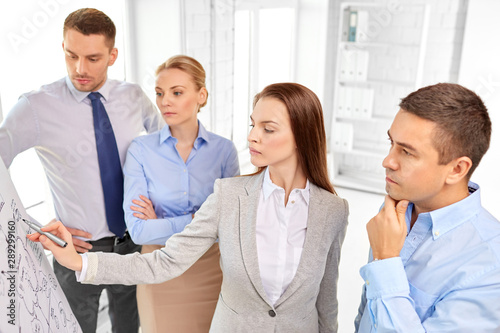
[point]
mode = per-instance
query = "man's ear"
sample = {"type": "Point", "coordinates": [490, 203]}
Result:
{"type": "Point", "coordinates": [459, 168]}
{"type": "Point", "coordinates": [112, 56]}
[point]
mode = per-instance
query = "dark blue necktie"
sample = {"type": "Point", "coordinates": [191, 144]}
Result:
{"type": "Point", "coordinates": [109, 166]}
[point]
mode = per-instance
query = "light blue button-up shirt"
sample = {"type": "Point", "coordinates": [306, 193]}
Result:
{"type": "Point", "coordinates": [446, 279]}
{"type": "Point", "coordinates": [155, 169]}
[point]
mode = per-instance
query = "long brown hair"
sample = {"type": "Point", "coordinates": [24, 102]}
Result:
{"type": "Point", "coordinates": [306, 119]}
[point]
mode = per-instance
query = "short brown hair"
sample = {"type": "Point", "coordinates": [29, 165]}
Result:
{"type": "Point", "coordinates": [306, 119]}
{"type": "Point", "coordinates": [190, 66]}
{"type": "Point", "coordinates": [90, 21]}
{"type": "Point", "coordinates": [463, 124]}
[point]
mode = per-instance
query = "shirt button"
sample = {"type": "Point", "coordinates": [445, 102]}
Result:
{"type": "Point", "coordinates": [436, 233]}
{"type": "Point", "coordinates": [184, 170]}
{"type": "Point", "coordinates": [185, 193]}
{"type": "Point", "coordinates": [293, 201]}
{"type": "Point", "coordinates": [272, 313]}
{"type": "Point", "coordinates": [297, 191]}
{"type": "Point", "coordinates": [367, 282]}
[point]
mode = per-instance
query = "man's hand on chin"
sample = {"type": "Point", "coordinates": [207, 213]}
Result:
{"type": "Point", "coordinates": [387, 230]}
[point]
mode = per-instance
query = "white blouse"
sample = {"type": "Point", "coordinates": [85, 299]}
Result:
{"type": "Point", "coordinates": [280, 235]}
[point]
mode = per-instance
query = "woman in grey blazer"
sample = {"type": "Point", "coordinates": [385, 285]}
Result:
{"type": "Point", "coordinates": [280, 230]}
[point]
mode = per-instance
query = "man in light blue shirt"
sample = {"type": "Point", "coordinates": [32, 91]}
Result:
{"type": "Point", "coordinates": [435, 251]}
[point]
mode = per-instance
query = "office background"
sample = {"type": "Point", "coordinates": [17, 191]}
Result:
{"type": "Point", "coordinates": [245, 45]}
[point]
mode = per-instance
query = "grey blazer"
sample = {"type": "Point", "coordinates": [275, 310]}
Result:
{"type": "Point", "coordinates": [309, 304]}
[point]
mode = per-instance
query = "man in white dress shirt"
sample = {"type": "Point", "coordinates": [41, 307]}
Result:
{"type": "Point", "coordinates": [57, 120]}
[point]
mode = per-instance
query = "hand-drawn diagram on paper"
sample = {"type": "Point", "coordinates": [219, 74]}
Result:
{"type": "Point", "coordinates": [31, 299]}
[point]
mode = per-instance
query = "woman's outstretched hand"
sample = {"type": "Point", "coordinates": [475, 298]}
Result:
{"type": "Point", "coordinates": [66, 256]}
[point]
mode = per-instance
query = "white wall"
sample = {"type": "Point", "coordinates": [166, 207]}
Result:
{"type": "Point", "coordinates": [210, 39]}
{"type": "Point", "coordinates": [154, 30]}
{"type": "Point", "coordinates": [312, 19]}
{"type": "Point", "coordinates": [30, 59]}
{"type": "Point", "coordinates": [480, 71]}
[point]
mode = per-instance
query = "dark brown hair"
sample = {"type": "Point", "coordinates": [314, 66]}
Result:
{"type": "Point", "coordinates": [463, 126]}
{"type": "Point", "coordinates": [90, 21]}
{"type": "Point", "coordinates": [306, 119]}
{"type": "Point", "coordinates": [190, 66]}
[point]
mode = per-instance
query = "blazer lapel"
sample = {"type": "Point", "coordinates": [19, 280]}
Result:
{"type": "Point", "coordinates": [248, 216]}
{"type": "Point", "coordinates": [314, 235]}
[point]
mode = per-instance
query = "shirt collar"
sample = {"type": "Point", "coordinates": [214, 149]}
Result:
{"type": "Point", "coordinates": [203, 136]}
{"type": "Point", "coordinates": [268, 187]}
{"type": "Point", "coordinates": [450, 217]}
{"type": "Point", "coordinates": [81, 95]}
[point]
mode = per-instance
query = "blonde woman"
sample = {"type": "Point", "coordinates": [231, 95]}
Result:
{"type": "Point", "coordinates": [168, 175]}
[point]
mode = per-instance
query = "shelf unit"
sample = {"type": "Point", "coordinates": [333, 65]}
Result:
{"type": "Point", "coordinates": [379, 60]}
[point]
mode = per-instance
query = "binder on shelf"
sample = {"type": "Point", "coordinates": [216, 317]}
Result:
{"type": "Point", "coordinates": [367, 103]}
{"type": "Point", "coordinates": [343, 137]}
{"type": "Point", "coordinates": [345, 27]}
{"type": "Point", "coordinates": [357, 102]}
{"type": "Point", "coordinates": [362, 26]}
{"type": "Point", "coordinates": [347, 66]}
{"type": "Point", "coordinates": [354, 102]}
{"type": "Point", "coordinates": [362, 58]}
{"type": "Point", "coordinates": [337, 137]}
{"type": "Point", "coordinates": [348, 109]}
{"type": "Point", "coordinates": [353, 65]}
{"type": "Point", "coordinates": [353, 21]}
{"type": "Point", "coordinates": [341, 102]}
{"type": "Point", "coordinates": [347, 137]}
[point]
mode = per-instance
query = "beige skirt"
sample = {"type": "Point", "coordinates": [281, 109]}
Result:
{"type": "Point", "coordinates": [184, 304]}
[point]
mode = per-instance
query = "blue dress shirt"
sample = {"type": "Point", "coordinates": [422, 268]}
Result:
{"type": "Point", "coordinates": [155, 169]}
{"type": "Point", "coordinates": [446, 279]}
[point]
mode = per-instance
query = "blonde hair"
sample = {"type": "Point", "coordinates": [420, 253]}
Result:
{"type": "Point", "coordinates": [190, 66]}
